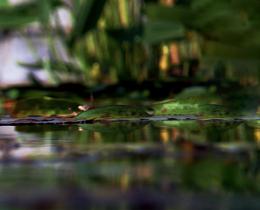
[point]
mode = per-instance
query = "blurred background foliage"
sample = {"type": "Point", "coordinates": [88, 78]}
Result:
{"type": "Point", "coordinates": [117, 40]}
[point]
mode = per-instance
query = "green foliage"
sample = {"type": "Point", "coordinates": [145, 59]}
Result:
{"type": "Point", "coordinates": [13, 17]}
{"type": "Point", "coordinates": [222, 25]}
{"type": "Point", "coordinates": [86, 16]}
{"type": "Point", "coordinates": [157, 32]}
{"type": "Point", "coordinates": [120, 40]}
{"type": "Point", "coordinates": [4, 3]}
{"type": "Point", "coordinates": [56, 66]}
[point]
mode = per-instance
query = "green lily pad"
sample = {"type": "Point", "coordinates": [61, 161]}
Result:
{"type": "Point", "coordinates": [198, 95]}
{"type": "Point", "coordinates": [254, 124]}
{"type": "Point", "coordinates": [177, 107]}
{"type": "Point", "coordinates": [198, 101]}
{"type": "Point", "coordinates": [45, 106]}
{"type": "Point", "coordinates": [114, 111]}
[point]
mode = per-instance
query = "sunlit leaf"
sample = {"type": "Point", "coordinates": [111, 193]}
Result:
{"type": "Point", "coordinates": [173, 107]}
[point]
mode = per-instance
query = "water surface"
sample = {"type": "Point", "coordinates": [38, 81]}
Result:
{"type": "Point", "coordinates": [123, 165]}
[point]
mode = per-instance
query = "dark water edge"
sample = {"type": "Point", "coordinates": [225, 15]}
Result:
{"type": "Point", "coordinates": [39, 120]}
{"type": "Point", "coordinates": [174, 164]}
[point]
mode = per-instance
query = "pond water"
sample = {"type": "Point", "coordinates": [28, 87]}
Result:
{"type": "Point", "coordinates": [148, 165]}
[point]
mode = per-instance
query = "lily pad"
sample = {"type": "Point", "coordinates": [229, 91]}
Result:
{"type": "Point", "coordinates": [197, 101]}
{"type": "Point", "coordinates": [177, 107]}
{"type": "Point", "coordinates": [254, 124]}
{"type": "Point", "coordinates": [198, 95]}
{"type": "Point", "coordinates": [115, 111]}
{"type": "Point", "coordinates": [45, 106]}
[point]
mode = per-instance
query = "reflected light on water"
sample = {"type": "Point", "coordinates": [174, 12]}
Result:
{"type": "Point", "coordinates": [136, 167]}
{"type": "Point", "coordinates": [25, 152]}
{"type": "Point", "coordinates": [97, 137]}
{"type": "Point", "coordinates": [124, 181]}
{"type": "Point", "coordinates": [257, 135]}
{"type": "Point", "coordinates": [164, 135]}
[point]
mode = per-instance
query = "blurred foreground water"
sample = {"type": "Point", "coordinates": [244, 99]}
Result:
{"type": "Point", "coordinates": [158, 165]}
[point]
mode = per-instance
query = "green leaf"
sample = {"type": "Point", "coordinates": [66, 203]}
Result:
{"type": "Point", "coordinates": [55, 65]}
{"type": "Point", "coordinates": [156, 32]}
{"type": "Point", "coordinates": [176, 14]}
{"type": "Point", "coordinates": [20, 15]}
{"type": "Point", "coordinates": [200, 4]}
{"type": "Point", "coordinates": [221, 24]}
{"type": "Point", "coordinates": [114, 111]}
{"type": "Point", "coordinates": [4, 3]}
{"type": "Point", "coordinates": [222, 50]}
{"type": "Point", "coordinates": [44, 106]}
{"type": "Point", "coordinates": [197, 95]}
{"type": "Point", "coordinates": [151, 32]}
{"type": "Point", "coordinates": [125, 34]}
{"type": "Point", "coordinates": [174, 107]}
{"type": "Point", "coordinates": [254, 124]}
{"type": "Point", "coordinates": [86, 17]}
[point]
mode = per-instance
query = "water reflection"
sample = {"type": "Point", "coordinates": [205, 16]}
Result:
{"type": "Point", "coordinates": [160, 165]}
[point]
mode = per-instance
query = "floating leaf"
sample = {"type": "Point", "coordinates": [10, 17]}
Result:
{"type": "Point", "coordinates": [175, 107]}
{"type": "Point", "coordinates": [254, 124]}
{"type": "Point", "coordinates": [192, 101]}
{"type": "Point", "coordinates": [197, 95]}
{"type": "Point", "coordinates": [45, 106]}
{"type": "Point", "coordinates": [114, 111]}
